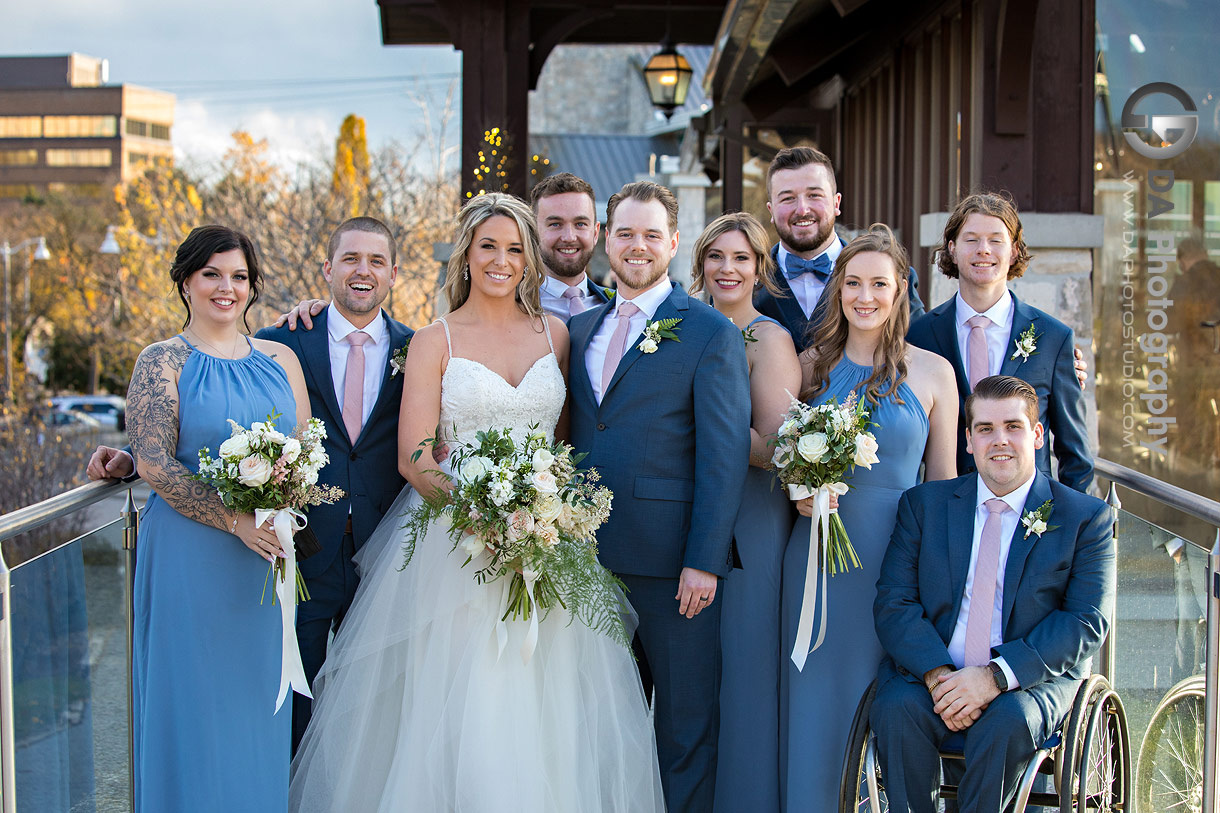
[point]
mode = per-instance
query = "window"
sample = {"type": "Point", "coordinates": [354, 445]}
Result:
{"type": "Point", "coordinates": [79, 158]}
{"type": "Point", "coordinates": [20, 126]}
{"type": "Point", "coordinates": [15, 190]}
{"type": "Point", "coordinates": [137, 128]}
{"type": "Point", "coordinates": [134, 158]}
{"type": "Point", "coordinates": [18, 158]}
{"type": "Point", "coordinates": [160, 131]}
{"type": "Point", "coordinates": [76, 190]}
{"type": "Point", "coordinates": [80, 126]}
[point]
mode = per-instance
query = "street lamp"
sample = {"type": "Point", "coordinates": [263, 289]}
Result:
{"type": "Point", "coordinates": [40, 254]}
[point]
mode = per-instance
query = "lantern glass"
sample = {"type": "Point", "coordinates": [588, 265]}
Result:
{"type": "Point", "coordinates": [668, 75]}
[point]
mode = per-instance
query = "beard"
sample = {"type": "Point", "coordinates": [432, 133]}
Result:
{"type": "Point", "coordinates": [825, 229]}
{"type": "Point", "coordinates": [566, 267]}
{"type": "Point", "coordinates": [638, 278]}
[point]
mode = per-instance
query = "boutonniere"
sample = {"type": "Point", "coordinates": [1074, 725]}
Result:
{"type": "Point", "coordinates": [398, 359]}
{"type": "Point", "coordinates": [1026, 344]}
{"type": "Point", "coordinates": [1036, 522]}
{"type": "Point", "coordinates": [609, 294]}
{"type": "Point", "coordinates": [655, 331]}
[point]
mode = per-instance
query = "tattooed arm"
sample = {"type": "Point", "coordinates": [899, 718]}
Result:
{"type": "Point", "coordinates": [152, 425]}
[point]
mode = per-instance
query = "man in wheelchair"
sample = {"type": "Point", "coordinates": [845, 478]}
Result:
{"type": "Point", "coordinates": [995, 592]}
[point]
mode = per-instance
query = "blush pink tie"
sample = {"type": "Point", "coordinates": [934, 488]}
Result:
{"type": "Point", "coordinates": [986, 577]}
{"type": "Point", "coordinates": [976, 349]}
{"type": "Point", "coordinates": [353, 385]}
{"type": "Point", "coordinates": [574, 297]}
{"type": "Point", "coordinates": [618, 343]}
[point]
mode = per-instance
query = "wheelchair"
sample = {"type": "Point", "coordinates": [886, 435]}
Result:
{"type": "Point", "coordinates": [1169, 774]}
{"type": "Point", "coordinates": [1088, 758]}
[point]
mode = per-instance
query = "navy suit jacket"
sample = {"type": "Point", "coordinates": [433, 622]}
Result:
{"type": "Point", "coordinates": [367, 469]}
{"type": "Point", "coordinates": [787, 311]}
{"type": "Point", "coordinates": [1058, 588]}
{"type": "Point", "coordinates": [671, 439]}
{"type": "Point", "coordinates": [1050, 370]}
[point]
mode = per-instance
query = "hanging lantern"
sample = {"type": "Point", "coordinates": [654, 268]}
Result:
{"type": "Point", "coordinates": [668, 75]}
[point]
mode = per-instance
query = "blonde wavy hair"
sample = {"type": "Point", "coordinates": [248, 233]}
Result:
{"type": "Point", "coordinates": [756, 237]}
{"type": "Point", "coordinates": [475, 213]}
{"type": "Point", "coordinates": [830, 338]}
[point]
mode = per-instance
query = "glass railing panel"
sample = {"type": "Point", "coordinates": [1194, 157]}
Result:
{"type": "Point", "coordinates": [70, 702]}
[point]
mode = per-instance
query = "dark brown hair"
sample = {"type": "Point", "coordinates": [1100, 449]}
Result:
{"type": "Point", "coordinates": [368, 224]}
{"type": "Point", "coordinates": [830, 338]}
{"type": "Point", "coordinates": [797, 157]}
{"type": "Point", "coordinates": [1001, 388]}
{"type": "Point", "coordinates": [199, 246]}
{"type": "Point", "coordinates": [560, 184]}
{"type": "Point", "coordinates": [645, 191]}
{"type": "Point", "coordinates": [994, 205]}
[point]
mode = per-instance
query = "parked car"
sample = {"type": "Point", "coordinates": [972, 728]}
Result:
{"type": "Point", "coordinates": [109, 410]}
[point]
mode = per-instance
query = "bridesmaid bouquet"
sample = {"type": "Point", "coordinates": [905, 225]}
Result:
{"type": "Point", "coordinates": [535, 515]}
{"type": "Point", "coordinates": [274, 476]}
{"type": "Point", "coordinates": [815, 448]}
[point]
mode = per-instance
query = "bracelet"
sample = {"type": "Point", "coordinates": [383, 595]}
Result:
{"type": "Point", "coordinates": [233, 530]}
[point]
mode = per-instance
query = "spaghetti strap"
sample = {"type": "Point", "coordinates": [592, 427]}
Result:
{"type": "Point", "coordinates": [448, 339]}
{"type": "Point", "coordinates": [546, 325]}
{"type": "Point", "coordinates": [187, 342]}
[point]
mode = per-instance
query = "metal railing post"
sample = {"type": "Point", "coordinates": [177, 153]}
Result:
{"type": "Point", "coordinates": [131, 521]}
{"type": "Point", "coordinates": [1108, 657]}
{"type": "Point", "coordinates": [8, 738]}
{"type": "Point", "coordinates": [1212, 683]}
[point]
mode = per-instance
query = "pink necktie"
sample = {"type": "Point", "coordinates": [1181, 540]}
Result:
{"type": "Point", "coordinates": [976, 348]}
{"type": "Point", "coordinates": [574, 296]}
{"type": "Point", "coordinates": [986, 576]}
{"type": "Point", "coordinates": [353, 385]}
{"type": "Point", "coordinates": [618, 343]}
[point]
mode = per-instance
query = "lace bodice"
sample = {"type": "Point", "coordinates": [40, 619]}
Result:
{"type": "Point", "coordinates": [474, 397]}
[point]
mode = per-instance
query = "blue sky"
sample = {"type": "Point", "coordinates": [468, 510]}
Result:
{"type": "Point", "coordinates": [287, 70]}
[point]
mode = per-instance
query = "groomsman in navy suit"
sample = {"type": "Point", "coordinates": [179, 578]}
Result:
{"type": "Point", "coordinates": [986, 330]}
{"type": "Point", "coordinates": [567, 229]}
{"type": "Point", "coordinates": [666, 423]}
{"type": "Point", "coordinates": [803, 200]}
{"type": "Point", "coordinates": [996, 590]}
{"type": "Point", "coordinates": [352, 390]}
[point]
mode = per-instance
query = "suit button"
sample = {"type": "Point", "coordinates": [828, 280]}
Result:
{"type": "Point", "coordinates": [353, 455]}
{"type": "Point", "coordinates": [601, 427]}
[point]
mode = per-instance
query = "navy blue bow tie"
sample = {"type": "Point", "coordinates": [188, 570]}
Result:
{"type": "Point", "coordinates": [820, 266]}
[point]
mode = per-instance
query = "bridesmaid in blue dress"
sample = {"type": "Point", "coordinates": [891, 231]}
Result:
{"type": "Point", "coordinates": [206, 655]}
{"type": "Point", "coordinates": [912, 397]}
{"type": "Point", "coordinates": [731, 262]}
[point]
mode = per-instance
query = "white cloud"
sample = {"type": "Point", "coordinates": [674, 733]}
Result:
{"type": "Point", "coordinates": [202, 134]}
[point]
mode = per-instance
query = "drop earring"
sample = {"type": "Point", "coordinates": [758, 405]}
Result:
{"type": "Point", "coordinates": [466, 272]}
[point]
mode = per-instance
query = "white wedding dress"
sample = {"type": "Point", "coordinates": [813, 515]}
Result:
{"type": "Point", "coordinates": [418, 708]}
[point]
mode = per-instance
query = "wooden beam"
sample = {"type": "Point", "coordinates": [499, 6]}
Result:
{"type": "Point", "coordinates": [1014, 50]}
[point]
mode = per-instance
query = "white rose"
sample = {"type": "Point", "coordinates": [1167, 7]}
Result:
{"type": "Point", "coordinates": [258, 428]}
{"type": "Point", "coordinates": [648, 346]}
{"type": "Point", "coordinates": [783, 456]}
{"type": "Point", "coordinates": [548, 507]}
{"type": "Point", "coordinates": [275, 436]}
{"type": "Point", "coordinates": [291, 450]}
{"type": "Point", "coordinates": [236, 446]}
{"type": "Point", "coordinates": [254, 470]}
{"type": "Point", "coordinates": [812, 446]}
{"type": "Point", "coordinates": [866, 450]}
{"type": "Point", "coordinates": [544, 482]}
{"type": "Point", "coordinates": [543, 459]}
{"type": "Point", "coordinates": [786, 428]}
{"type": "Point", "coordinates": [310, 476]}
{"type": "Point", "coordinates": [473, 468]}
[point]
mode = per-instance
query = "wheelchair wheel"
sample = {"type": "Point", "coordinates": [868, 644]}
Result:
{"type": "Point", "coordinates": [1075, 732]}
{"type": "Point", "coordinates": [860, 786]}
{"type": "Point", "coordinates": [1104, 766]}
{"type": "Point", "coordinates": [1169, 778]}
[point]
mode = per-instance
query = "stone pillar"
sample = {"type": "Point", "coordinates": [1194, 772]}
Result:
{"type": "Point", "coordinates": [691, 192]}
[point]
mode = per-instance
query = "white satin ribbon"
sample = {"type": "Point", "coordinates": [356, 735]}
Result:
{"type": "Point", "coordinates": [531, 601]}
{"type": "Point", "coordinates": [292, 672]}
{"type": "Point", "coordinates": [815, 562]}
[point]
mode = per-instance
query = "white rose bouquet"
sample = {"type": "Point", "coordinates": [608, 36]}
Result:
{"type": "Point", "coordinates": [815, 449]}
{"type": "Point", "coordinates": [262, 471]}
{"type": "Point", "coordinates": [525, 511]}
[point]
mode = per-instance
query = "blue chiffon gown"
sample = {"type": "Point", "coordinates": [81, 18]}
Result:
{"type": "Point", "coordinates": [747, 768]}
{"type": "Point", "coordinates": [206, 654]}
{"type": "Point", "coordinates": [817, 704]}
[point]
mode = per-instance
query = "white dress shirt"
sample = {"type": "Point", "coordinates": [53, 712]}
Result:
{"type": "Point", "coordinates": [997, 332]}
{"type": "Point", "coordinates": [807, 288]}
{"type": "Point", "coordinates": [376, 352]}
{"type": "Point", "coordinates": [553, 302]}
{"type": "Point", "coordinates": [647, 302]}
{"type": "Point", "coordinates": [1008, 526]}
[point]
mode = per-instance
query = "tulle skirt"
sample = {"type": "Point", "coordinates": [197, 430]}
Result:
{"type": "Point", "coordinates": [419, 708]}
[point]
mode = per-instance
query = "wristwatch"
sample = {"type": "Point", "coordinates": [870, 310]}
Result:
{"type": "Point", "coordinates": [997, 674]}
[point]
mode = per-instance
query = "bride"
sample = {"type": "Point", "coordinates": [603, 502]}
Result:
{"type": "Point", "coordinates": [415, 708]}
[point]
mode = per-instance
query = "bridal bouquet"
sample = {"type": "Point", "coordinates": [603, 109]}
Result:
{"type": "Point", "coordinates": [262, 471]}
{"type": "Point", "coordinates": [535, 515]}
{"type": "Point", "coordinates": [815, 448]}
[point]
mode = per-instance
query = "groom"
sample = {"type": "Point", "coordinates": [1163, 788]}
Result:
{"type": "Point", "coordinates": [665, 420]}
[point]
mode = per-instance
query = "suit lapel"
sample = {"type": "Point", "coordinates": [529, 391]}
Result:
{"type": "Point", "coordinates": [1018, 552]}
{"type": "Point", "coordinates": [960, 538]}
{"type": "Point", "coordinates": [598, 292]}
{"type": "Point", "coordinates": [578, 374]}
{"type": "Point", "coordinates": [315, 350]}
{"type": "Point", "coordinates": [944, 329]}
{"type": "Point", "coordinates": [1022, 317]}
{"type": "Point", "coordinates": [668, 309]}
